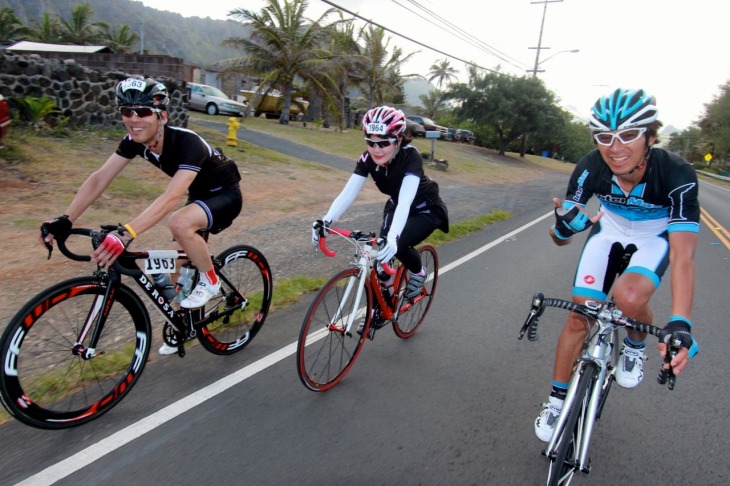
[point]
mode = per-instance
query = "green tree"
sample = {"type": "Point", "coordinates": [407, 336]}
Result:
{"type": "Point", "coordinates": [283, 46]}
{"type": "Point", "coordinates": [442, 71]}
{"type": "Point", "coordinates": [510, 107]}
{"type": "Point", "coordinates": [11, 28]}
{"type": "Point", "coordinates": [47, 29]}
{"type": "Point", "coordinates": [690, 144]}
{"type": "Point", "coordinates": [79, 29]}
{"type": "Point", "coordinates": [345, 51]}
{"type": "Point", "coordinates": [432, 103]}
{"type": "Point", "coordinates": [715, 124]}
{"type": "Point", "coordinates": [121, 40]}
{"type": "Point", "coordinates": [381, 78]}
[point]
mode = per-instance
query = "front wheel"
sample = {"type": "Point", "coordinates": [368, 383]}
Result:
{"type": "Point", "coordinates": [211, 109]}
{"type": "Point", "coordinates": [232, 319]}
{"type": "Point", "coordinates": [412, 311]}
{"type": "Point", "coordinates": [45, 381]}
{"type": "Point", "coordinates": [326, 350]}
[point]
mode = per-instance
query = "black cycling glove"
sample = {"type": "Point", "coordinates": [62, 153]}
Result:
{"type": "Point", "coordinates": [59, 227]}
{"type": "Point", "coordinates": [571, 222]}
{"type": "Point", "coordinates": [681, 329]}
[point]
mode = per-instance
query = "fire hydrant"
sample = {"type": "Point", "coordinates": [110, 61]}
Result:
{"type": "Point", "coordinates": [233, 126]}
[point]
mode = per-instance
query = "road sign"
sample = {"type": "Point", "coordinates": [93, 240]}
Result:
{"type": "Point", "coordinates": [433, 134]}
{"type": "Point", "coordinates": [708, 157]}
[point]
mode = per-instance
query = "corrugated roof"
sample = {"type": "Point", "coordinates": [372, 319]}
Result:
{"type": "Point", "coordinates": [41, 47]}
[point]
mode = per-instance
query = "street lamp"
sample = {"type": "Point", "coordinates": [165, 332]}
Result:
{"type": "Point", "coordinates": [535, 71]}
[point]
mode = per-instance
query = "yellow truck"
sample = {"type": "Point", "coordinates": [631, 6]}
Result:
{"type": "Point", "coordinates": [271, 104]}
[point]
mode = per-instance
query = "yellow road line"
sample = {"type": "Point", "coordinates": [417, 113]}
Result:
{"type": "Point", "coordinates": [722, 234]}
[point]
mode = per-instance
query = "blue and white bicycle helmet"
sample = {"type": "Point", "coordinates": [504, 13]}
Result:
{"type": "Point", "coordinates": [624, 108]}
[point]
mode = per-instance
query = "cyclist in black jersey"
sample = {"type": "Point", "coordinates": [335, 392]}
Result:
{"type": "Point", "coordinates": [414, 208]}
{"type": "Point", "coordinates": [649, 214]}
{"type": "Point", "coordinates": [208, 179]}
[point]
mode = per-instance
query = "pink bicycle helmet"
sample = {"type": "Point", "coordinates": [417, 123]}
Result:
{"type": "Point", "coordinates": [384, 121]}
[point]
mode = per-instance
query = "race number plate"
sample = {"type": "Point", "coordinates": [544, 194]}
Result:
{"type": "Point", "coordinates": [160, 261]}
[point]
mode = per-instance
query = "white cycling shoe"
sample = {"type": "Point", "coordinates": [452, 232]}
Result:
{"type": "Point", "coordinates": [630, 366]}
{"type": "Point", "coordinates": [545, 422]}
{"type": "Point", "coordinates": [200, 295]}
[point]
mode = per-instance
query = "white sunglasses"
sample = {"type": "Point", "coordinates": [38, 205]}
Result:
{"type": "Point", "coordinates": [625, 136]}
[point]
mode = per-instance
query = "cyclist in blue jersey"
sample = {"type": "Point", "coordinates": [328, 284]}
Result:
{"type": "Point", "coordinates": [649, 212]}
{"type": "Point", "coordinates": [209, 180]}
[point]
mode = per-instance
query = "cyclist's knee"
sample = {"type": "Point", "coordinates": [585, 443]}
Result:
{"type": "Point", "coordinates": [632, 294]}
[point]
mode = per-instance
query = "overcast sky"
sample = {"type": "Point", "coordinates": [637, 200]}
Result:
{"type": "Point", "coordinates": [674, 49]}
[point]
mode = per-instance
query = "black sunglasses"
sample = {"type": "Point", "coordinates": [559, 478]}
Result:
{"type": "Point", "coordinates": [380, 143]}
{"type": "Point", "coordinates": [140, 111]}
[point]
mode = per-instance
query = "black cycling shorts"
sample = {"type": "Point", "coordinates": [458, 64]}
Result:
{"type": "Point", "coordinates": [221, 208]}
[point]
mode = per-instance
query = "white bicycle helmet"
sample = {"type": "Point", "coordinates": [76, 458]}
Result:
{"type": "Point", "coordinates": [384, 121]}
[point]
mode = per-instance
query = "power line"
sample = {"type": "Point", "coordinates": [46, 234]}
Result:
{"type": "Point", "coordinates": [462, 34]}
{"type": "Point", "coordinates": [369, 21]}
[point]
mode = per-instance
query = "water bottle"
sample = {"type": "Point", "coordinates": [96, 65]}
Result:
{"type": "Point", "coordinates": [163, 282]}
{"type": "Point", "coordinates": [185, 281]}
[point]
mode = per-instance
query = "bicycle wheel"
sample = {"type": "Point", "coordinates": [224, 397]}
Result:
{"type": "Point", "coordinates": [563, 463]}
{"type": "Point", "coordinates": [44, 383]}
{"type": "Point", "coordinates": [325, 352]}
{"type": "Point", "coordinates": [413, 311]}
{"type": "Point", "coordinates": [230, 326]}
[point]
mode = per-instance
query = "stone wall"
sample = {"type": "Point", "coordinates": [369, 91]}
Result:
{"type": "Point", "coordinates": [84, 95]}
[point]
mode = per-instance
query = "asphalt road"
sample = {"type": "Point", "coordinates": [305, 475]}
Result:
{"type": "Point", "coordinates": [453, 405]}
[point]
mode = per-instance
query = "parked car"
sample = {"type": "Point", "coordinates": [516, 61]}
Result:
{"type": "Point", "coordinates": [4, 118]}
{"type": "Point", "coordinates": [415, 129]}
{"type": "Point", "coordinates": [453, 135]}
{"type": "Point", "coordinates": [428, 124]}
{"type": "Point", "coordinates": [466, 136]}
{"type": "Point", "coordinates": [271, 104]}
{"type": "Point", "coordinates": [214, 101]}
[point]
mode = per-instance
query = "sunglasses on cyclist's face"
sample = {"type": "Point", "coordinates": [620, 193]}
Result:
{"type": "Point", "coordinates": [140, 111]}
{"type": "Point", "coordinates": [380, 143]}
{"type": "Point", "coordinates": [625, 136]}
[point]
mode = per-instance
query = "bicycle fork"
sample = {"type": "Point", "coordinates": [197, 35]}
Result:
{"type": "Point", "coordinates": [96, 318]}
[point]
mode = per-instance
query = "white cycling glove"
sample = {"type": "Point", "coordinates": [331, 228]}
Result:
{"type": "Point", "coordinates": [390, 248]}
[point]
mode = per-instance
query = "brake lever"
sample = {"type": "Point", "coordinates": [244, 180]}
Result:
{"type": "Point", "coordinates": [666, 375]}
{"type": "Point", "coordinates": [50, 249]}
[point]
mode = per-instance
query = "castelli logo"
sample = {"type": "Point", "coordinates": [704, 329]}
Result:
{"type": "Point", "coordinates": [589, 279]}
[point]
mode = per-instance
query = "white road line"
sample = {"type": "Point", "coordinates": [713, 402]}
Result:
{"type": "Point", "coordinates": [108, 445]}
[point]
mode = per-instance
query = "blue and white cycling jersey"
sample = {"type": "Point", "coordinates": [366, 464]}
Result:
{"type": "Point", "coordinates": [665, 199]}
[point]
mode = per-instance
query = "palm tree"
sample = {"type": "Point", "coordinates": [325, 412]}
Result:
{"type": "Point", "coordinates": [442, 71]}
{"type": "Point", "coordinates": [79, 30]}
{"type": "Point", "coordinates": [45, 30]}
{"type": "Point", "coordinates": [122, 40]}
{"type": "Point", "coordinates": [11, 28]}
{"type": "Point", "coordinates": [283, 46]}
{"type": "Point", "coordinates": [432, 103]}
{"type": "Point", "coordinates": [344, 48]}
{"type": "Point", "coordinates": [381, 71]}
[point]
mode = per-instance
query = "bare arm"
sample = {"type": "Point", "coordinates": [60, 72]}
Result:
{"type": "Point", "coordinates": [682, 248]}
{"type": "Point", "coordinates": [176, 189]}
{"type": "Point", "coordinates": [95, 185]}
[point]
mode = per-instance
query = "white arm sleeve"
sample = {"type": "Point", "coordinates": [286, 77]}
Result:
{"type": "Point", "coordinates": [405, 198]}
{"type": "Point", "coordinates": [346, 198]}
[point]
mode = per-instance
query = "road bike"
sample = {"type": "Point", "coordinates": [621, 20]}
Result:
{"type": "Point", "coordinates": [76, 349]}
{"type": "Point", "coordinates": [590, 382]}
{"type": "Point", "coordinates": [354, 304]}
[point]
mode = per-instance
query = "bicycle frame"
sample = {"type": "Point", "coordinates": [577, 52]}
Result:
{"type": "Point", "coordinates": [597, 350]}
{"type": "Point", "coordinates": [366, 254]}
{"type": "Point", "coordinates": [183, 321]}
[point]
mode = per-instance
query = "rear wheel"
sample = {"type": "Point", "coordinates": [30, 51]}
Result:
{"type": "Point", "coordinates": [413, 311]}
{"type": "Point", "coordinates": [564, 463]}
{"type": "Point", "coordinates": [211, 109]}
{"type": "Point", "coordinates": [46, 381]}
{"type": "Point", "coordinates": [233, 318]}
{"type": "Point", "coordinates": [326, 350]}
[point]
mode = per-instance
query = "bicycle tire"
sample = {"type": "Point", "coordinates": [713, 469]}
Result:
{"type": "Point", "coordinates": [325, 353]}
{"type": "Point", "coordinates": [563, 466]}
{"type": "Point", "coordinates": [413, 311]}
{"type": "Point", "coordinates": [43, 383]}
{"type": "Point", "coordinates": [245, 268]}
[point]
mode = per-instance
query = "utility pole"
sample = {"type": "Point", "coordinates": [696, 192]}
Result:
{"type": "Point", "coordinates": [539, 47]}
